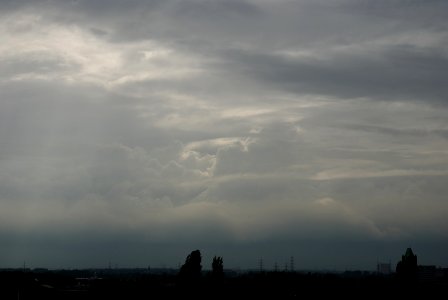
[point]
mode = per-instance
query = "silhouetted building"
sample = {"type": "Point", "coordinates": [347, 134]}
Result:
{"type": "Point", "coordinates": [427, 273]}
{"type": "Point", "coordinates": [407, 267]}
{"type": "Point", "coordinates": [383, 268]}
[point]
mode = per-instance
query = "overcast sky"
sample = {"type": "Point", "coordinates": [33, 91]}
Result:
{"type": "Point", "coordinates": [137, 131]}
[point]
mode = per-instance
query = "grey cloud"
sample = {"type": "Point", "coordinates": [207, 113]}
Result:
{"type": "Point", "coordinates": [191, 8]}
{"type": "Point", "coordinates": [216, 8]}
{"type": "Point", "coordinates": [416, 133]}
{"type": "Point", "coordinates": [422, 12]}
{"type": "Point", "coordinates": [399, 73]}
{"type": "Point", "coordinates": [94, 7]}
{"type": "Point", "coordinates": [115, 6]}
{"type": "Point", "coordinates": [17, 67]}
{"type": "Point", "coordinates": [242, 128]}
{"type": "Point", "coordinates": [32, 110]}
{"type": "Point", "coordinates": [12, 4]}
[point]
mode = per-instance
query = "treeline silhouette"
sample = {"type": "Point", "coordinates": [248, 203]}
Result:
{"type": "Point", "coordinates": [191, 282]}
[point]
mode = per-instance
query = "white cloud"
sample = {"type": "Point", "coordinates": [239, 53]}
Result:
{"type": "Point", "coordinates": [79, 56]}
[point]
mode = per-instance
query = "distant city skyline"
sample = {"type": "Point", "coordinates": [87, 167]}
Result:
{"type": "Point", "coordinates": [137, 131]}
{"type": "Point", "coordinates": [261, 264]}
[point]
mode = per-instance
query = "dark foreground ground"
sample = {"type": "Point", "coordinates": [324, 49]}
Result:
{"type": "Point", "coordinates": [90, 284]}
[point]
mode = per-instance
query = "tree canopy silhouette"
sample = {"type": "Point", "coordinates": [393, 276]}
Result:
{"type": "Point", "coordinates": [192, 266]}
{"type": "Point", "coordinates": [217, 267]}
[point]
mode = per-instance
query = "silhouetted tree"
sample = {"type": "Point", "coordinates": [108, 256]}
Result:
{"type": "Point", "coordinates": [192, 267]}
{"type": "Point", "coordinates": [217, 267]}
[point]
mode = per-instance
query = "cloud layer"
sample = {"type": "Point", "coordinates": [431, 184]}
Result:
{"type": "Point", "coordinates": [137, 131]}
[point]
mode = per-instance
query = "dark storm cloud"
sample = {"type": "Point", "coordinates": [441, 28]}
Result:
{"type": "Point", "coordinates": [396, 73]}
{"type": "Point", "coordinates": [114, 6]}
{"type": "Point", "coordinates": [427, 13]}
{"type": "Point", "coordinates": [193, 8]}
{"type": "Point", "coordinates": [416, 133]}
{"type": "Point", "coordinates": [213, 9]}
{"type": "Point", "coordinates": [12, 4]}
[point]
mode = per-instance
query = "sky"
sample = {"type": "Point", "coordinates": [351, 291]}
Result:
{"type": "Point", "coordinates": [133, 132]}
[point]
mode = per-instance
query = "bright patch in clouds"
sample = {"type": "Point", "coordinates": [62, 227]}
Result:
{"type": "Point", "coordinates": [76, 55]}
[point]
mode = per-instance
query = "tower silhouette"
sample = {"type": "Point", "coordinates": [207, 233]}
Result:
{"type": "Point", "coordinates": [291, 264]}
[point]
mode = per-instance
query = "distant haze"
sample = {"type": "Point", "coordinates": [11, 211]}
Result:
{"type": "Point", "coordinates": [133, 132]}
